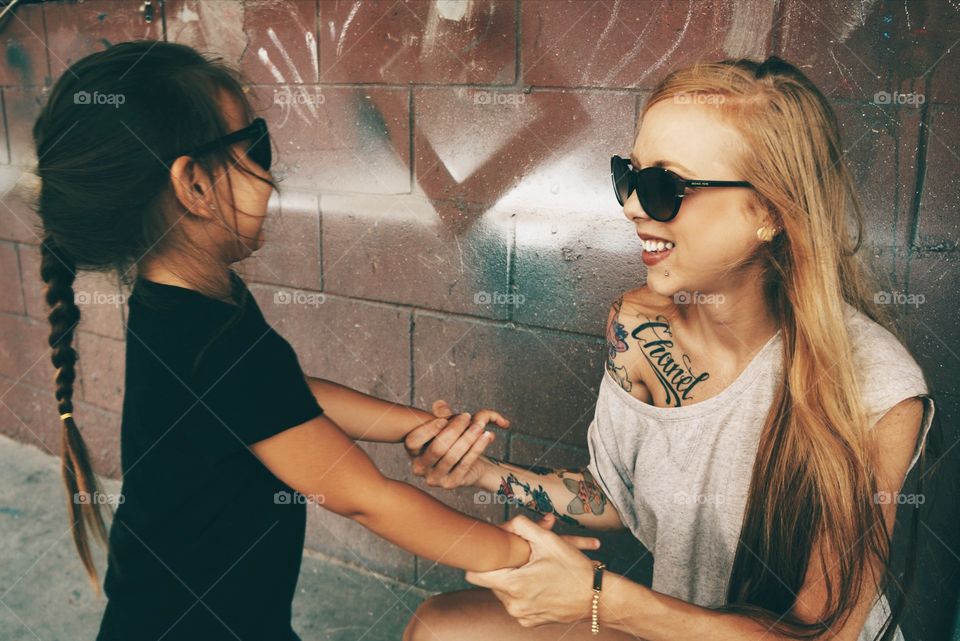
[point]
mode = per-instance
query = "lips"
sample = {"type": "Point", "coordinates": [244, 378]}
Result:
{"type": "Point", "coordinates": [655, 249]}
{"type": "Point", "coordinates": [654, 244]}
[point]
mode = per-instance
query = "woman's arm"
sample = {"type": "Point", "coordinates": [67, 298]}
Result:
{"type": "Point", "coordinates": [368, 418]}
{"type": "Point", "coordinates": [573, 496]}
{"type": "Point", "coordinates": [318, 460]}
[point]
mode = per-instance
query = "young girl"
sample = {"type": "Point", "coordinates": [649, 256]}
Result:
{"type": "Point", "coordinates": [149, 159]}
{"type": "Point", "coordinates": [756, 420]}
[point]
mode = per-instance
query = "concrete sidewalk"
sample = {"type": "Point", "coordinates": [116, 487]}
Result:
{"type": "Point", "coordinates": [44, 592]}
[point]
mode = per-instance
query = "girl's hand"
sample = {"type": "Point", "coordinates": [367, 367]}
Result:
{"type": "Point", "coordinates": [555, 586]}
{"type": "Point", "coordinates": [446, 454]}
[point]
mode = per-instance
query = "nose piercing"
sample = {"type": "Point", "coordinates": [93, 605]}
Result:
{"type": "Point", "coordinates": [666, 272]}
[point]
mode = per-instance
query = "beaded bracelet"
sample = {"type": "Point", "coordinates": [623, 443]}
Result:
{"type": "Point", "coordinates": [594, 607]}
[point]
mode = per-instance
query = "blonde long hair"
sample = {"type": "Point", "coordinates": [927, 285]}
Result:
{"type": "Point", "coordinates": [813, 478]}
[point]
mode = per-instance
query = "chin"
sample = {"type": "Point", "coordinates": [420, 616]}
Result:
{"type": "Point", "coordinates": [660, 284]}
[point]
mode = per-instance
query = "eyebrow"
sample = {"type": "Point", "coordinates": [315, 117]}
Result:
{"type": "Point", "coordinates": [660, 163]}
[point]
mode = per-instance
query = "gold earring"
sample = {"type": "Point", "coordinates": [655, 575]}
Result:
{"type": "Point", "coordinates": [766, 234]}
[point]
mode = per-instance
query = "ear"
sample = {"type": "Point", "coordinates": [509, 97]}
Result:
{"type": "Point", "coordinates": [762, 211]}
{"type": "Point", "coordinates": [192, 187]}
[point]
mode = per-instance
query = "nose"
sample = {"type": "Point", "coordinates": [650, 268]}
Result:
{"type": "Point", "coordinates": [633, 210]}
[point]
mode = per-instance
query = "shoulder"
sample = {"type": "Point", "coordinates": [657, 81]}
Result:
{"type": "Point", "coordinates": [885, 369]}
{"type": "Point", "coordinates": [641, 302]}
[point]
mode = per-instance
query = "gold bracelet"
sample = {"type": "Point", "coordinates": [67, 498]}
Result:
{"type": "Point", "coordinates": [595, 605]}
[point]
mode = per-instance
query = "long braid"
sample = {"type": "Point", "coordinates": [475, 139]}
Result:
{"type": "Point", "coordinates": [59, 272]}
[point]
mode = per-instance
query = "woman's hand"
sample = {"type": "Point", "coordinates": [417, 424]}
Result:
{"type": "Point", "coordinates": [446, 454]}
{"type": "Point", "coordinates": [555, 586]}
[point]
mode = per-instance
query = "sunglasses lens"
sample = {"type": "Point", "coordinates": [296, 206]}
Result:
{"type": "Point", "coordinates": [260, 151]}
{"type": "Point", "coordinates": [657, 193]}
{"type": "Point", "coordinates": [620, 172]}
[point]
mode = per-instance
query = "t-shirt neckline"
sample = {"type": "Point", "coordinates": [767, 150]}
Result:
{"type": "Point", "coordinates": [192, 293]}
{"type": "Point", "coordinates": [731, 391]}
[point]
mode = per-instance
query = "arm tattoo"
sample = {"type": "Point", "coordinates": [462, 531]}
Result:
{"type": "Point", "coordinates": [676, 378]}
{"type": "Point", "coordinates": [616, 344]}
{"type": "Point", "coordinates": [587, 496]}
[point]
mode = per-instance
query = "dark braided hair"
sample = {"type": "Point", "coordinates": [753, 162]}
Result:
{"type": "Point", "coordinates": [58, 272]}
{"type": "Point", "coordinates": [106, 201]}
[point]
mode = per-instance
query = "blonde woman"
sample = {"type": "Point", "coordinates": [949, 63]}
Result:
{"type": "Point", "coordinates": [756, 419]}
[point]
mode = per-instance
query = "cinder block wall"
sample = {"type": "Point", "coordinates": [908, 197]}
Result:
{"type": "Point", "coordinates": [446, 188]}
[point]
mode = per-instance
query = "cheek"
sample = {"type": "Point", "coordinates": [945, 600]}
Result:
{"type": "Point", "coordinates": [713, 238]}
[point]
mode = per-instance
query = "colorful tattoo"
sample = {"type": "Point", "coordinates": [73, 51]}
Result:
{"type": "Point", "coordinates": [589, 499]}
{"type": "Point", "coordinates": [617, 344]}
{"type": "Point", "coordinates": [587, 496]}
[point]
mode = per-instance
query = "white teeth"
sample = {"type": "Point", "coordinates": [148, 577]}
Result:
{"type": "Point", "coordinates": [656, 245]}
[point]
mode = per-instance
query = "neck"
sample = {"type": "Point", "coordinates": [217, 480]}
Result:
{"type": "Point", "coordinates": [160, 271]}
{"type": "Point", "coordinates": [735, 319]}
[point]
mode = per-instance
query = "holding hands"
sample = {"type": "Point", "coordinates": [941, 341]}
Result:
{"type": "Point", "coordinates": [446, 451]}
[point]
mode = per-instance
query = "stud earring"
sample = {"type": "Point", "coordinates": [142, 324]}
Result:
{"type": "Point", "coordinates": [666, 272]}
{"type": "Point", "coordinates": [766, 234]}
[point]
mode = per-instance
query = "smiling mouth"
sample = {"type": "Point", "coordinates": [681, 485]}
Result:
{"type": "Point", "coordinates": [656, 246]}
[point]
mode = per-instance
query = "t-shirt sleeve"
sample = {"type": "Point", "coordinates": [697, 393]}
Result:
{"type": "Point", "coordinates": [250, 389]}
{"type": "Point", "coordinates": [616, 485]}
{"type": "Point", "coordinates": [888, 374]}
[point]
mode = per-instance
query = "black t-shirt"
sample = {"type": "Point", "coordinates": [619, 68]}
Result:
{"type": "Point", "coordinates": [207, 543]}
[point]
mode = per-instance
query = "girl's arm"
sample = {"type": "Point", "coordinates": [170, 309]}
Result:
{"type": "Point", "coordinates": [367, 418]}
{"type": "Point", "coordinates": [319, 461]}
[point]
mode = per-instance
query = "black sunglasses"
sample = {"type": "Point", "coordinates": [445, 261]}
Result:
{"type": "Point", "coordinates": [659, 190]}
{"type": "Point", "coordinates": [259, 151]}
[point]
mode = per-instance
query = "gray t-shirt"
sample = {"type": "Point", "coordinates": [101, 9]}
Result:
{"type": "Point", "coordinates": [679, 476]}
